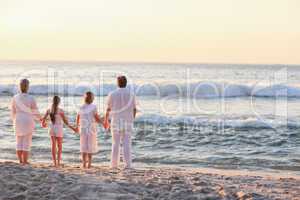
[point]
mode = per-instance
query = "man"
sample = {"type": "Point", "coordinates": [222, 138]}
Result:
{"type": "Point", "coordinates": [121, 107]}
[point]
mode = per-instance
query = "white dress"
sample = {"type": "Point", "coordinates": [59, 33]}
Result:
{"type": "Point", "coordinates": [88, 129]}
{"type": "Point", "coordinates": [24, 112]}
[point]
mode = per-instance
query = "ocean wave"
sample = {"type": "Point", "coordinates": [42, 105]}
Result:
{"type": "Point", "coordinates": [194, 90]}
{"type": "Point", "coordinates": [263, 122]}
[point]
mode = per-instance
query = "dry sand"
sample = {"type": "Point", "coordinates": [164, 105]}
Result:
{"type": "Point", "coordinates": [41, 181]}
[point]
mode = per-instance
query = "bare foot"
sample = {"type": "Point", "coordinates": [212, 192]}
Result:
{"type": "Point", "coordinates": [25, 163]}
{"type": "Point", "coordinates": [127, 168]}
{"type": "Point", "coordinates": [114, 168]}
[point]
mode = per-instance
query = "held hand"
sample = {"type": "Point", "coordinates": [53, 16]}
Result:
{"type": "Point", "coordinates": [44, 124]}
{"type": "Point", "coordinates": [75, 129]}
{"type": "Point", "coordinates": [106, 124]}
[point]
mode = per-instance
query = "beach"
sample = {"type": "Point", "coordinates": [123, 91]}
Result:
{"type": "Point", "coordinates": [41, 181]}
{"type": "Point", "coordinates": [201, 132]}
{"type": "Point", "coordinates": [146, 100]}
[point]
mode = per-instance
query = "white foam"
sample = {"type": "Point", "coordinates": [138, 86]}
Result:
{"type": "Point", "coordinates": [193, 90]}
{"type": "Point", "coordinates": [234, 122]}
{"type": "Point", "coordinates": [277, 91]}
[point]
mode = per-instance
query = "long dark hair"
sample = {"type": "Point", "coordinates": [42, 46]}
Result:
{"type": "Point", "coordinates": [54, 108]}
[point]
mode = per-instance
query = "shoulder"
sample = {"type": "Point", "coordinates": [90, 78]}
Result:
{"type": "Point", "coordinates": [60, 111]}
{"type": "Point", "coordinates": [129, 92]}
{"type": "Point", "coordinates": [82, 107]}
{"type": "Point", "coordinates": [88, 107]}
{"type": "Point", "coordinates": [93, 106]}
{"type": "Point", "coordinates": [31, 98]}
{"type": "Point", "coordinates": [13, 99]}
{"type": "Point", "coordinates": [113, 93]}
{"type": "Point", "coordinates": [16, 96]}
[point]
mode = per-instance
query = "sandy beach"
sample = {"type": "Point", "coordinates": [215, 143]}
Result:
{"type": "Point", "coordinates": [41, 181]}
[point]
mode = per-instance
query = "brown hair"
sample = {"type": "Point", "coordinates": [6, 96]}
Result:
{"type": "Point", "coordinates": [54, 108]}
{"type": "Point", "coordinates": [24, 85]}
{"type": "Point", "coordinates": [88, 97]}
{"type": "Point", "coordinates": [122, 81]}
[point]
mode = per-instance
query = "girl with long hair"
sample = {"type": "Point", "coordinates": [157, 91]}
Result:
{"type": "Point", "coordinates": [58, 119]}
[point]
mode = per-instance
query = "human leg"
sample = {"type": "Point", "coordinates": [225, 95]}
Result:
{"type": "Point", "coordinates": [115, 151]}
{"type": "Point", "coordinates": [53, 150]}
{"type": "Point", "coordinates": [127, 150]}
{"type": "Point", "coordinates": [59, 141]}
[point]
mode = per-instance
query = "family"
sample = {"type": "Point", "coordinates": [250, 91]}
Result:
{"type": "Point", "coordinates": [119, 117]}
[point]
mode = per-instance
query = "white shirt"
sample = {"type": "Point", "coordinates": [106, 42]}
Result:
{"type": "Point", "coordinates": [23, 111]}
{"type": "Point", "coordinates": [122, 102]}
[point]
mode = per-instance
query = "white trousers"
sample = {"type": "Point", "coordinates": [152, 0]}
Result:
{"type": "Point", "coordinates": [23, 143]}
{"type": "Point", "coordinates": [117, 138]}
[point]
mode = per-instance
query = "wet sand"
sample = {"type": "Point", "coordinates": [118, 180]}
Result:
{"type": "Point", "coordinates": [41, 181]}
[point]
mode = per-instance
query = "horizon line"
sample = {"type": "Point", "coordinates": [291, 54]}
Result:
{"type": "Point", "coordinates": [143, 62]}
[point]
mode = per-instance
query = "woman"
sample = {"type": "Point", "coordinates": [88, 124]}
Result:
{"type": "Point", "coordinates": [24, 112]}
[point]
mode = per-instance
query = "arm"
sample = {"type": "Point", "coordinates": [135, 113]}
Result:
{"type": "Point", "coordinates": [46, 115]}
{"type": "Point", "coordinates": [107, 114]}
{"type": "Point", "coordinates": [108, 110]}
{"type": "Point", "coordinates": [77, 120]}
{"type": "Point", "coordinates": [98, 118]}
{"type": "Point", "coordinates": [106, 122]}
{"type": "Point", "coordinates": [35, 111]}
{"type": "Point", "coordinates": [44, 119]}
{"type": "Point", "coordinates": [64, 118]}
{"type": "Point", "coordinates": [13, 109]}
{"type": "Point", "coordinates": [134, 108]}
{"type": "Point", "coordinates": [134, 112]}
{"type": "Point", "coordinates": [66, 122]}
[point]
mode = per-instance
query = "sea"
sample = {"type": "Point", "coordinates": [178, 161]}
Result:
{"type": "Point", "coordinates": [223, 116]}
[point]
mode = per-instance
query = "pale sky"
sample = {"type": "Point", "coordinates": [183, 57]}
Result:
{"type": "Point", "coordinates": [216, 31]}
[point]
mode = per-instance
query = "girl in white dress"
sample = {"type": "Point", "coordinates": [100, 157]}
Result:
{"type": "Point", "coordinates": [24, 112]}
{"type": "Point", "coordinates": [87, 119]}
{"type": "Point", "coordinates": [58, 119]}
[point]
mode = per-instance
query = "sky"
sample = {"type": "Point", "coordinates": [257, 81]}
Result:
{"type": "Point", "coordinates": [214, 31]}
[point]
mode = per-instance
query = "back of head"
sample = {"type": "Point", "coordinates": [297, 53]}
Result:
{"type": "Point", "coordinates": [122, 81]}
{"type": "Point", "coordinates": [24, 85]}
{"type": "Point", "coordinates": [88, 97]}
{"type": "Point", "coordinates": [54, 108]}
